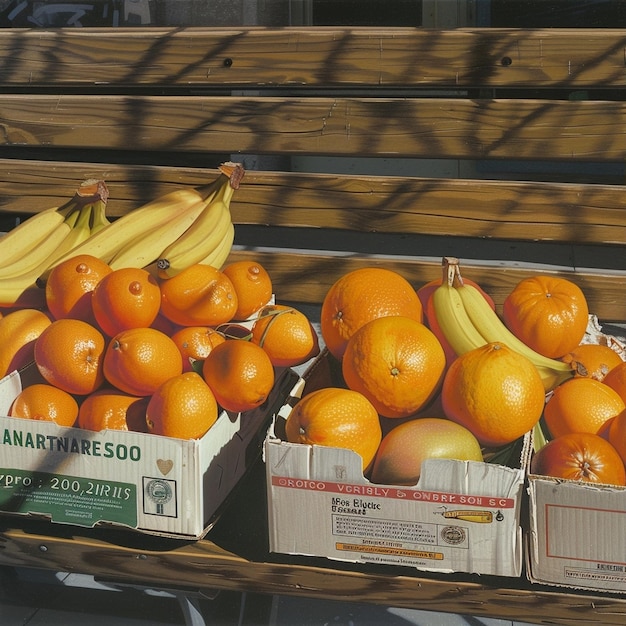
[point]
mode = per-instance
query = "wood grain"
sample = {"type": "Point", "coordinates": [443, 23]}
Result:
{"type": "Point", "coordinates": [420, 127]}
{"type": "Point", "coordinates": [318, 57]}
{"type": "Point", "coordinates": [515, 210]}
{"type": "Point", "coordinates": [206, 566]}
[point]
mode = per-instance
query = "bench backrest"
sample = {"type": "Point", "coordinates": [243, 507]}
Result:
{"type": "Point", "coordinates": [394, 146]}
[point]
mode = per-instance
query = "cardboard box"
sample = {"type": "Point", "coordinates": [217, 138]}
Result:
{"type": "Point", "coordinates": [154, 484]}
{"type": "Point", "coordinates": [576, 532]}
{"type": "Point", "coordinates": [576, 536]}
{"type": "Point", "coordinates": [460, 517]}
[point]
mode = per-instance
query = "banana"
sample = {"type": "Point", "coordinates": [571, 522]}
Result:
{"type": "Point", "coordinates": [81, 230]}
{"type": "Point", "coordinates": [14, 288]}
{"type": "Point", "coordinates": [204, 235]}
{"type": "Point", "coordinates": [27, 236]}
{"type": "Point", "coordinates": [36, 255]}
{"type": "Point", "coordinates": [492, 328]}
{"type": "Point", "coordinates": [110, 239]}
{"type": "Point", "coordinates": [218, 256]}
{"type": "Point", "coordinates": [145, 249]}
{"type": "Point", "coordinates": [99, 218]}
{"type": "Point", "coordinates": [451, 315]}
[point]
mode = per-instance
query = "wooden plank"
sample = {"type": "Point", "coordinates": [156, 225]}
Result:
{"type": "Point", "coordinates": [530, 211]}
{"type": "Point", "coordinates": [254, 57]}
{"type": "Point", "coordinates": [390, 127]}
{"type": "Point", "coordinates": [206, 566]}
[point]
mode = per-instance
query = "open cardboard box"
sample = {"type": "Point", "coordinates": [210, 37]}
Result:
{"type": "Point", "coordinates": [576, 533]}
{"type": "Point", "coordinates": [460, 517]}
{"type": "Point", "coordinates": [153, 484]}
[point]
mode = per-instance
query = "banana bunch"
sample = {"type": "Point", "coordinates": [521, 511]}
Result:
{"type": "Point", "coordinates": [191, 224]}
{"type": "Point", "coordinates": [36, 243]}
{"type": "Point", "coordinates": [209, 238]}
{"type": "Point", "coordinates": [467, 322]}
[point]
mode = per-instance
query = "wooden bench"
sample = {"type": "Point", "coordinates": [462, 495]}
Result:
{"type": "Point", "coordinates": [504, 147]}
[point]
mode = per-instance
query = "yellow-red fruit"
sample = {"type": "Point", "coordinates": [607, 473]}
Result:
{"type": "Point", "coordinates": [403, 450]}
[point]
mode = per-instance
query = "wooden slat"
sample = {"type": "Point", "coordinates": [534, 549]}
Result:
{"type": "Point", "coordinates": [374, 57]}
{"type": "Point", "coordinates": [205, 566]}
{"type": "Point", "coordinates": [430, 128]}
{"type": "Point", "coordinates": [530, 211]}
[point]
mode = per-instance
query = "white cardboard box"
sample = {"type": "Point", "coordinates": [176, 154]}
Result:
{"type": "Point", "coordinates": [577, 535]}
{"type": "Point", "coordinates": [147, 482]}
{"type": "Point", "coordinates": [460, 517]}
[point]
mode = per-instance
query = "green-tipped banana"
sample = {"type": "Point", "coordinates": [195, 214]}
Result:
{"type": "Point", "coordinates": [492, 328]}
{"type": "Point", "coordinates": [452, 317]}
{"type": "Point", "coordinates": [207, 232]}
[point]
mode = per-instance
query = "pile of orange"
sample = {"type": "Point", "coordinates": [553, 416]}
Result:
{"type": "Point", "coordinates": [374, 329]}
{"type": "Point", "coordinates": [121, 349]}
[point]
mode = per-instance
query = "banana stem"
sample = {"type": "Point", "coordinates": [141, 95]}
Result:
{"type": "Point", "coordinates": [452, 271]}
{"type": "Point", "coordinates": [233, 172]}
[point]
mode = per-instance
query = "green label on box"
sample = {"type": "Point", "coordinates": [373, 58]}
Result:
{"type": "Point", "coordinates": [68, 499]}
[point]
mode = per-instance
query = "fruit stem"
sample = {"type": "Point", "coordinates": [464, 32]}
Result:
{"type": "Point", "coordinates": [452, 271]}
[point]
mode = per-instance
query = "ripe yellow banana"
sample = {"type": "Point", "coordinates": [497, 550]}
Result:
{"type": "Point", "coordinates": [19, 242]}
{"type": "Point", "coordinates": [13, 288]}
{"type": "Point", "coordinates": [99, 218]}
{"type": "Point", "coordinates": [145, 249]}
{"type": "Point", "coordinates": [206, 233]}
{"type": "Point", "coordinates": [81, 230]}
{"type": "Point", "coordinates": [218, 256]}
{"type": "Point", "coordinates": [108, 241]}
{"type": "Point", "coordinates": [35, 256]}
{"type": "Point", "coordinates": [492, 328]}
{"type": "Point", "coordinates": [451, 315]}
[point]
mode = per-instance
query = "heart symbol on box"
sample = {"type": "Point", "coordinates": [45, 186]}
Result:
{"type": "Point", "coordinates": [165, 466]}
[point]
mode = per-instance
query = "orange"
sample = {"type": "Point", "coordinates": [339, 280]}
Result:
{"type": "Point", "coordinates": [183, 407]}
{"type": "Point", "coordinates": [593, 360]}
{"type": "Point", "coordinates": [616, 379]}
{"type": "Point", "coordinates": [126, 298]}
{"type": "Point", "coordinates": [139, 360]}
{"type": "Point", "coordinates": [360, 296]}
{"type": "Point", "coordinates": [616, 434]}
{"type": "Point", "coordinates": [111, 409]}
{"type": "Point", "coordinates": [396, 362]}
{"type": "Point", "coordinates": [336, 417]}
{"type": "Point", "coordinates": [195, 343]}
{"type": "Point", "coordinates": [240, 375]}
{"type": "Point", "coordinates": [200, 295]}
{"type": "Point", "coordinates": [580, 456]}
{"type": "Point", "coordinates": [581, 405]}
{"type": "Point", "coordinates": [252, 284]}
{"type": "Point", "coordinates": [402, 451]}
{"type": "Point", "coordinates": [494, 392]}
{"type": "Point", "coordinates": [18, 331]}
{"type": "Point", "coordinates": [286, 334]}
{"type": "Point", "coordinates": [45, 402]}
{"type": "Point", "coordinates": [70, 285]}
{"type": "Point", "coordinates": [548, 313]}
{"type": "Point", "coordinates": [68, 354]}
